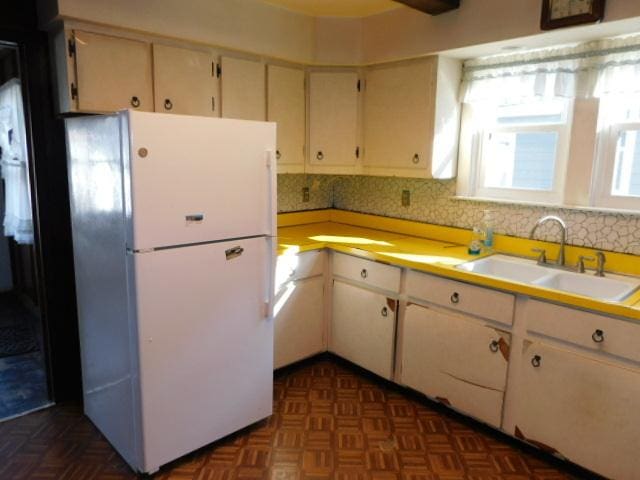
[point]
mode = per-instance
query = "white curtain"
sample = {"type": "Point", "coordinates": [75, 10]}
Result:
{"type": "Point", "coordinates": [594, 69]}
{"type": "Point", "coordinates": [18, 222]}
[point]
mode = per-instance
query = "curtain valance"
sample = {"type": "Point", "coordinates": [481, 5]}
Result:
{"type": "Point", "coordinates": [594, 69]}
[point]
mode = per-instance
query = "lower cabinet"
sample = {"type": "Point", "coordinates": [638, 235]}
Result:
{"type": "Point", "coordinates": [459, 361]}
{"type": "Point", "coordinates": [363, 327]}
{"type": "Point", "coordinates": [581, 408]}
{"type": "Point", "coordinates": [299, 322]}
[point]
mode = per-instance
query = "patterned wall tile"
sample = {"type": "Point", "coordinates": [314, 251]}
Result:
{"type": "Point", "coordinates": [432, 202]}
{"type": "Point", "coordinates": [290, 192]}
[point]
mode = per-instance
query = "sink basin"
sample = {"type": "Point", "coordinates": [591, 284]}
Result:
{"type": "Point", "coordinates": [610, 288]}
{"type": "Point", "coordinates": [508, 268]}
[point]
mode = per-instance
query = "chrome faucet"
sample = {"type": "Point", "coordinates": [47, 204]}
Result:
{"type": "Point", "coordinates": [563, 231]}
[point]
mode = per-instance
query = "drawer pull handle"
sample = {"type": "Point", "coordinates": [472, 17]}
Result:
{"type": "Point", "coordinates": [384, 312]}
{"type": "Point", "coordinates": [135, 102]}
{"type": "Point", "coordinates": [536, 361]}
{"type": "Point", "coordinates": [455, 298]}
{"type": "Point", "coordinates": [278, 155]}
{"type": "Point", "coordinates": [494, 346]}
{"type": "Point", "coordinates": [320, 155]}
{"type": "Point", "coordinates": [416, 159]}
{"type": "Point", "coordinates": [364, 273]}
{"type": "Point", "coordinates": [598, 336]}
{"type": "Point", "coordinates": [168, 105]}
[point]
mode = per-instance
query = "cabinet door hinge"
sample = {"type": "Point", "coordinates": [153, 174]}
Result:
{"type": "Point", "coordinates": [74, 91]}
{"type": "Point", "coordinates": [218, 70]}
{"type": "Point", "coordinates": [71, 47]}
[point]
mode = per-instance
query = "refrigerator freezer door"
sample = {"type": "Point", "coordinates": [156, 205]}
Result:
{"type": "Point", "coordinates": [206, 347]}
{"type": "Point", "coordinates": [195, 179]}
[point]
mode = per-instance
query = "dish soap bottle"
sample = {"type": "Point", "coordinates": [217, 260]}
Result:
{"type": "Point", "coordinates": [476, 241]}
{"type": "Point", "coordinates": [487, 227]}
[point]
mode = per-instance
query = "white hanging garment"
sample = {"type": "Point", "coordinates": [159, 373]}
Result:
{"type": "Point", "coordinates": [18, 221]}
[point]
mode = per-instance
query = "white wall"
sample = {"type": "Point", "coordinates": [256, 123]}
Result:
{"type": "Point", "coordinates": [338, 41]}
{"type": "Point", "coordinates": [246, 25]}
{"type": "Point", "coordinates": [255, 27]}
{"type": "Point", "coordinates": [404, 33]}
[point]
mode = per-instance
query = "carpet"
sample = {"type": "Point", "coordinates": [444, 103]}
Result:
{"type": "Point", "coordinates": [17, 339]}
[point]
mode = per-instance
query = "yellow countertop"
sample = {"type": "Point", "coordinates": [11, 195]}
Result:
{"type": "Point", "coordinates": [436, 250]}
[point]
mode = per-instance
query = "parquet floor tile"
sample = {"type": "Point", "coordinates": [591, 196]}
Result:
{"type": "Point", "coordinates": [330, 421]}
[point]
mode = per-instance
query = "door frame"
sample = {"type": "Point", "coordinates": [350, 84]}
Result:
{"type": "Point", "coordinates": [50, 201]}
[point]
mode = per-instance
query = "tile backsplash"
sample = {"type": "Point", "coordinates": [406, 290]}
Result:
{"type": "Point", "coordinates": [432, 202]}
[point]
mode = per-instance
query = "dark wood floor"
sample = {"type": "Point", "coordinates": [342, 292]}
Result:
{"type": "Point", "coordinates": [330, 421]}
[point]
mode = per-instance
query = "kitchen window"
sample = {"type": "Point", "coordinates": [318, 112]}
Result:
{"type": "Point", "coordinates": [555, 126]}
{"type": "Point", "coordinates": [522, 150]}
{"type": "Point", "coordinates": [617, 184]}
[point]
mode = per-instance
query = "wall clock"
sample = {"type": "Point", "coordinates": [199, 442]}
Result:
{"type": "Point", "coordinates": [564, 13]}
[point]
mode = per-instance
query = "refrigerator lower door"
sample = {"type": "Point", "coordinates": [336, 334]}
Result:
{"type": "Point", "coordinates": [205, 344]}
{"type": "Point", "coordinates": [195, 179]}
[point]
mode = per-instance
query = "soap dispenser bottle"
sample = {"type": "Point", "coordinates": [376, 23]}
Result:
{"type": "Point", "coordinates": [487, 230]}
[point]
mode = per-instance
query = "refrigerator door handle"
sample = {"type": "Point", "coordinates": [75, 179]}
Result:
{"type": "Point", "coordinates": [272, 192]}
{"type": "Point", "coordinates": [234, 252]}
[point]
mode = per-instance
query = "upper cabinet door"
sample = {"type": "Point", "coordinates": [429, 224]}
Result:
{"type": "Point", "coordinates": [185, 81]}
{"type": "Point", "coordinates": [286, 107]}
{"type": "Point", "coordinates": [243, 89]}
{"type": "Point", "coordinates": [411, 118]}
{"type": "Point", "coordinates": [333, 121]}
{"type": "Point", "coordinates": [398, 114]}
{"type": "Point", "coordinates": [112, 73]}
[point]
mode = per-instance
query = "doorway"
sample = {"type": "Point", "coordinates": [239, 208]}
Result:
{"type": "Point", "coordinates": [23, 370]}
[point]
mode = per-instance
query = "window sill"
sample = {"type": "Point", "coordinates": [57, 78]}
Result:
{"type": "Point", "coordinates": [577, 208]}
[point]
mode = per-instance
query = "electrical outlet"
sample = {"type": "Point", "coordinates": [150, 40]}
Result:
{"type": "Point", "coordinates": [305, 194]}
{"type": "Point", "coordinates": [406, 198]}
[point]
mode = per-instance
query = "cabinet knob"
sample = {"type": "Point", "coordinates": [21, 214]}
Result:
{"type": "Point", "coordinates": [494, 346]}
{"type": "Point", "coordinates": [455, 298]}
{"type": "Point", "coordinates": [598, 336]}
{"type": "Point", "coordinates": [364, 273]}
{"type": "Point", "coordinates": [167, 104]}
{"type": "Point", "coordinates": [416, 159]}
{"type": "Point", "coordinates": [536, 361]}
{"type": "Point", "coordinates": [320, 155]}
{"type": "Point", "coordinates": [384, 312]}
{"type": "Point", "coordinates": [135, 102]}
{"type": "Point", "coordinates": [278, 155]}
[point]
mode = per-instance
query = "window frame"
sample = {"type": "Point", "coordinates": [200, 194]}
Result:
{"type": "Point", "coordinates": [609, 131]}
{"type": "Point", "coordinates": [480, 132]}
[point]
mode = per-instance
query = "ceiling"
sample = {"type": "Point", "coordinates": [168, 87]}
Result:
{"type": "Point", "coordinates": [336, 8]}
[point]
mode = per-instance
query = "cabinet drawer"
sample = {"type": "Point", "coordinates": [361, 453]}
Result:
{"type": "Point", "coordinates": [460, 296]}
{"type": "Point", "coordinates": [302, 265]}
{"type": "Point", "coordinates": [457, 360]}
{"type": "Point", "coordinates": [364, 271]}
{"type": "Point", "coordinates": [590, 330]}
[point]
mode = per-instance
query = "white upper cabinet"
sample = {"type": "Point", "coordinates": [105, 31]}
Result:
{"type": "Point", "coordinates": [111, 74]}
{"type": "Point", "coordinates": [185, 81]}
{"type": "Point", "coordinates": [333, 121]}
{"type": "Point", "coordinates": [411, 118]}
{"type": "Point", "coordinates": [286, 107]}
{"type": "Point", "coordinates": [243, 89]}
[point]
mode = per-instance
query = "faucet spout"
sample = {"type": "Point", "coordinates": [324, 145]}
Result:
{"type": "Point", "coordinates": [563, 232]}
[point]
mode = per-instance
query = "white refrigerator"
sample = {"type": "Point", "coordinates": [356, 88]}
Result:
{"type": "Point", "coordinates": [174, 230]}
